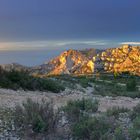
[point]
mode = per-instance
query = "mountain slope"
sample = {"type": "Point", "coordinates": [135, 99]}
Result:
{"type": "Point", "coordinates": [117, 60]}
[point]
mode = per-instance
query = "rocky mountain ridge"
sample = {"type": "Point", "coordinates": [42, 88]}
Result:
{"type": "Point", "coordinates": [115, 60]}
{"type": "Point", "coordinates": [122, 59]}
{"type": "Point", "coordinates": [69, 62]}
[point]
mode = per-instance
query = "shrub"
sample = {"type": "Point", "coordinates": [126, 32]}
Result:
{"type": "Point", "coordinates": [40, 117]}
{"type": "Point", "coordinates": [136, 112]}
{"type": "Point", "coordinates": [84, 82]}
{"type": "Point", "coordinates": [135, 129]}
{"type": "Point", "coordinates": [16, 80]}
{"type": "Point", "coordinates": [131, 85]}
{"type": "Point", "coordinates": [90, 129]}
{"type": "Point", "coordinates": [119, 134]}
{"type": "Point", "coordinates": [115, 111]}
{"type": "Point", "coordinates": [74, 110]}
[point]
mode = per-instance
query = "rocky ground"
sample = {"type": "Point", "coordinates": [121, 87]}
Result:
{"type": "Point", "coordinates": [9, 98]}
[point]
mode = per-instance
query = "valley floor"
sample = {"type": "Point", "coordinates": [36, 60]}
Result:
{"type": "Point", "coordinates": [10, 98]}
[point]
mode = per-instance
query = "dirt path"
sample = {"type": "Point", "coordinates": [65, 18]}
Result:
{"type": "Point", "coordinates": [9, 98]}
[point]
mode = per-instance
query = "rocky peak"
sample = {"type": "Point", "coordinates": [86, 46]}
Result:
{"type": "Point", "coordinates": [71, 62]}
{"type": "Point", "coordinates": [123, 59]}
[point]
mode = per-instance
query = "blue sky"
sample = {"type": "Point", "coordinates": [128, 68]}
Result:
{"type": "Point", "coordinates": [69, 21]}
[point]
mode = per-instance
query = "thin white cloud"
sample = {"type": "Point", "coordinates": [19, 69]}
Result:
{"type": "Point", "coordinates": [35, 45]}
{"type": "Point", "coordinates": [64, 43]}
{"type": "Point", "coordinates": [130, 43]}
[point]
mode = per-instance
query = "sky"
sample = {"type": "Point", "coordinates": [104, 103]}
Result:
{"type": "Point", "coordinates": [56, 25]}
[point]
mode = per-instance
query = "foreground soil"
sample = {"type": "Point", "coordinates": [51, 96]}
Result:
{"type": "Point", "coordinates": [10, 98]}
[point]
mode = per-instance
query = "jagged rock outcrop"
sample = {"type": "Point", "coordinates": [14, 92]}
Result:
{"type": "Point", "coordinates": [69, 62]}
{"type": "Point", "coordinates": [122, 59]}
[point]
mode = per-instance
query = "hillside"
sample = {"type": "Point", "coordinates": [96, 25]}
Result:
{"type": "Point", "coordinates": [117, 60]}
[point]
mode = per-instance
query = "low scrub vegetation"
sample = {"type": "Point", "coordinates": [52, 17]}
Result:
{"type": "Point", "coordinates": [115, 111]}
{"type": "Point", "coordinates": [135, 128]}
{"type": "Point", "coordinates": [131, 85]}
{"type": "Point", "coordinates": [75, 110]}
{"type": "Point", "coordinates": [106, 84]}
{"type": "Point", "coordinates": [120, 85]}
{"type": "Point", "coordinates": [82, 121]}
{"type": "Point", "coordinates": [128, 89]}
{"type": "Point", "coordinates": [21, 80]}
{"type": "Point", "coordinates": [120, 78]}
{"type": "Point", "coordinates": [136, 112]}
{"type": "Point", "coordinates": [39, 117]}
{"type": "Point", "coordinates": [91, 128]}
{"type": "Point", "coordinates": [89, 125]}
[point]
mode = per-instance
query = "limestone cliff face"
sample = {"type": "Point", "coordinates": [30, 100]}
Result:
{"type": "Point", "coordinates": [69, 62]}
{"type": "Point", "coordinates": [116, 60]}
{"type": "Point", "coordinates": [122, 59]}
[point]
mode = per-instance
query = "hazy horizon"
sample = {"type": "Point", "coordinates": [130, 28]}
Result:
{"type": "Point", "coordinates": [31, 56]}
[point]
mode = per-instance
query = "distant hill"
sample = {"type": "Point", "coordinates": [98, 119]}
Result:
{"type": "Point", "coordinates": [14, 66]}
{"type": "Point", "coordinates": [117, 60]}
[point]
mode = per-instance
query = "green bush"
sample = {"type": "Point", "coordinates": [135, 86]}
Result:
{"type": "Point", "coordinates": [16, 80]}
{"type": "Point", "coordinates": [119, 134]}
{"type": "Point", "coordinates": [115, 90]}
{"type": "Point", "coordinates": [135, 117]}
{"type": "Point", "coordinates": [39, 117]}
{"type": "Point", "coordinates": [91, 129]}
{"type": "Point", "coordinates": [84, 82]}
{"type": "Point", "coordinates": [131, 85]}
{"type": "Point", "coordinates": [75, 110]}
{"type": "Point", "coordinates": [136, 112]}
{"type": "Point", "coordinates": [135, 129]}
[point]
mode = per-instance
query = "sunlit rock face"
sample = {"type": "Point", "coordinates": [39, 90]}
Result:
{"type": "Point", "coordinates": [69, 62]}
{"type": "Point", "coordinates": [87, 61]}
{"type": "Point", "coordinates": [122, 59]}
